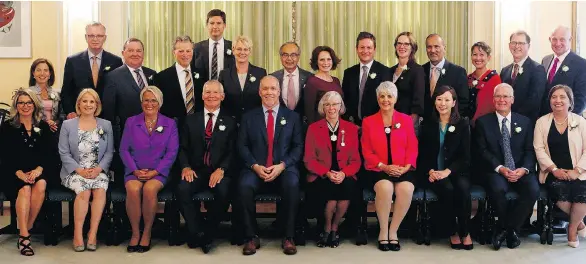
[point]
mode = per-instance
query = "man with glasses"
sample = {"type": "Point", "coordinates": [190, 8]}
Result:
{"type": "Point", "coordinates": [526, 76]}
{"type": "Point", "coordinates": [87, 68]}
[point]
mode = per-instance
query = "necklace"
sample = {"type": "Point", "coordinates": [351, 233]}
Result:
{"type": "Point", "coordinates": [150, 124]}
{"type": "Point", "coordinates": [560, 123]}
{"type": "Point", "coordinates": [333, 129]}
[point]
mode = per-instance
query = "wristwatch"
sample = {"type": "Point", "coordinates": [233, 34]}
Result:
{"type": "Point", "coordinates": [554, 169]}
{"type": "Point", "coordinates": [580, 170]}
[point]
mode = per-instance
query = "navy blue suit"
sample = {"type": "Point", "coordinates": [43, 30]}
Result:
{"type": "Point", "coordinates": [287, 148]}
{"type": "Point", "coordinates": [529, 88]}
{"type": "Point", "coordinates": [574, 77]}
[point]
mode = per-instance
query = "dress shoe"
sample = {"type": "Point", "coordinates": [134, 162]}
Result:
{"type": "Point", "coordinates": [513, 240]}
{"type": "Point", "coordinates": [92, 247]}
{"type": "Point", "coordinates": [574, 244]}
{"type": "Point", "coordinates": [323, 239]}
{"type": "Point", "coordinates": [143, 249]}
{"type": "Point", "coordinates": [206, 244]}
{"type": "Point", "coordinates": [289, 247]}
{"type": "Point", "coordinates": [582, 232]}
{"type": "Point", "coordinates": [131, 249]}
{"type": "Point", "coordinates": [498, 237]}
{"type": "Point", "coordinates": [456, 246]}
{"type": "Point", "coordinates": [467, 247]}
{"type": "Point", "coordinates": [383, 245]}
{"type": "Point", "coordinates": [394, 246]}
{"type": "Point", "coordinates": [249, 248]}
{"type": "Point", "coordinates": [334, 239]}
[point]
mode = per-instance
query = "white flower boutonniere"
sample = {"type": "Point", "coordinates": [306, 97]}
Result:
{"type": "Point", "coordinates": [474, 83]}
{"type": "Point", "coordinates": [52, 96]}
{"type": "Point", "coordinates": [405, 67]}
{"type": "Point", "coordinates": [252, 78]}
{"type": "Point", "coordinates": [151, 77]}
{"type": "Point", "coordinates": [452, 128]}
{"type": "Point", "coordinates": [37, 130]}
{"type": "Point", "coordinates": [229, 51]}
{"type": "Point", "coordinates": [520, 71]}
{"type": "Point", "coordinates": [573, 124]}
{"type": "Point", "coordinates": [283, 121]}
{"type": "Point", "coordinates": [565, 68]}
{"type": "Point", "coordinates": [160, 129]}
{"type": "Point", "coordinates": [397, 125]}
{"type": "Point", "coordinates": [196, 75]}
{"type": "Point", "coordinates": [372, 75]}
{"type": "Point", "coordinates": [443, 71]}
{"type": "Point", "coordinates": [518, 129]}
{"type": "Point", "coordinates": [222, 127]}
{"type": "Point", "coordinates": [101, 132]}
{"type": "Point", "coordinates": [107, 68]}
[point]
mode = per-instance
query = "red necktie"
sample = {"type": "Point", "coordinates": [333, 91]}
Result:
{"type": "Point", "coordinates": [552, 70]}
{"type": "Point", "coordinates": [270, 135]}
{"type": "Point", "coordinates": [515, 71]}
{"type": "Point", "coordinates": [208, 139]}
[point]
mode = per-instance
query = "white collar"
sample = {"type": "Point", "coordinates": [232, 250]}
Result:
{"type": "Point", "coordinates": [133, 69]}
{"type": "Point", "coordinates": [275, 108]}
{"type": "Point", "coordinates": [521, 62]}
{"type": "Point", "coordinates": [99, 55]}
{"type": "Point", "coordinates": [180, 68]}
{"type": "Point", "coordinates": [440, 65]}
{"type": "Point", "coordinates": [369, 65]}
{"type": "Point", "coordinates": [563, 56]}
{"type": "Point", "coordinates": [206, 112]}
{"type": "Point", "coordinates": [220, 41]}
{"type": "Point", "coordinates": [295, 72]}
{"type": "Point", "coordinates": [500, 117]}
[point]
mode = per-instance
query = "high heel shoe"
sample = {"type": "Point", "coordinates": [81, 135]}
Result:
{"type": "Point", "coordinates": [143, 249]}
{"type": "Point", "coordinates": [457, 246]}
{"type": "Point", "coordinates": [323, 239]}
{"type": "Point", "coordinates": [334, 239]}
{"type": "Point", "coordinates": [394, 246]}
{"type": "Point", "coordinates": [383, 246]}
{"type": "Point", "coordinates": [574, 244]}
{"type": "Point", "coordinates": [582, 232]}
{"type": "Point", "coordinates": [25, 249]}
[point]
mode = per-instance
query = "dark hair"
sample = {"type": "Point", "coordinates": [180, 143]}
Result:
{"type": "Point", "coordinates": [132, 40]}
{"type": "Point", "coordinates": [481, 45]}
{"type": "Point", "coordinates": [32, 81]}
{"type": "Point", "coordinates": [365, 35]}
{"type": "Point", "coordinates": [566, 89]}
{"type": "Point", "coordinates": [455, 115]}
{"type": "Point", "coordinates": [521, 32]}
{"type": "Point", "coordinates": [412, 42]}
{"type": "Point", "coordinates": [315, 54]}
{"type": "Point", "coordinates": [216, 12]}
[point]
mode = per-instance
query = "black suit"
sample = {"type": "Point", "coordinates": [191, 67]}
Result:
{"type": "Point", "coordinates": [78, 76]}
{"type": "Point", "coordinates": [238, 100]}
{"type": "Point", "coordinates": [411, 88]}
{"type": "Point", "coordinates": [303, 76]}
{"type": "Point", "coordinates": [453, 191]}
{"type": "Point", "coordinates": [454, 76]}
{"type": "Point", "coordinates": [574, 77]}
{"type": "Point", "coordinates": [202, 57]}
{"type": "Point", "coordinates": [351, 89]}
{"type": "Point", "coordinates": [529, 87]}
{"type": "Point", "coordinates": [489, 142]}
{"type": "Point", "coordinates": [191, 155]}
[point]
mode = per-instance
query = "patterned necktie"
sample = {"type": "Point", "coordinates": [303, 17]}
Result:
{"type": "Point", "coordinates": [552, 70]}
{"type": "Point", "coordinates": [95, 70]}
{"type": "Point", "coordinates": [433, 80]}
{"type": "Point", "coordinates": [207, 160]}
{"type": "Point", "coordinates": [189, 94]}
{"type": "Point", "coordinates": [515, 71]}
{"type": "Point", "coordinates": [509, 161]}
{"type": "Point", "coordinates": [139, 79]}
{"type": "Point", "coordinates": [270, 137]}
{"type": "Point", "coordinates": [361, 89]}
{"type": "Point", "coordinates": [215, 62]}
{"type": "Point", "coordinates": [291, 99]}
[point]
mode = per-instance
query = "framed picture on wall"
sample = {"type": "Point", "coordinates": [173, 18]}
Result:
{"type": "Point", "coordinates": [15, 29]}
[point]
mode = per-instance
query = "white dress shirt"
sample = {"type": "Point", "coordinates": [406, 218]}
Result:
{"type": "Point", "coordinates": [182, 75]}
{"type": "Point", "coordinates": [275, 113]}
{"type": "Point", "coordinates": [220, 50]}
{"type": "Point", "coordinates": [144, 79]}
{"type": "Point", "coordinates": [440, 66]}
{"type": "Point", "coordinates": [520, 63]}
{"type": "Point", "coordinates": [285, 84]}
{"type": "Point", "coordinates": [99, 57]}
{"type": "Point", "coordinates": [369, 65]}
{"type": "Point", "coordinates": [561, 58]}
{"type": "Point", "coordinates": [206, 117]}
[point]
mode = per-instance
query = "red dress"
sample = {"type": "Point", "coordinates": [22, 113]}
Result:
{"type": "Point", "coordinates": [313, 91]}
{"type": "Point", "coordinates": [481, 93]}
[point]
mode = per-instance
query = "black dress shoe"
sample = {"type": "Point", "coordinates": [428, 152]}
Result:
{"type": "Point", "coordinates": [323, 239]}
{"type": "Point", "coordinates": [394, 246]}
{"type": "Point", "coordinates": [455, 246]}
{"type": "Point", "coordinates": [513, 240]}
{"type": "Point", "coordinates": [131, 249]}
{"type": "Point", "coordinates": [143, 249]}
{"type": "Point", "coordinates": [383, 246]}
{"type": "Point", "coordinates": [467, 247]}
{"type": "Point", "coordinates": [334, 239]}
{"type": "Point", "coordinates": [206, 244]}
{"type": "Point", "coordinates": [498, 237]}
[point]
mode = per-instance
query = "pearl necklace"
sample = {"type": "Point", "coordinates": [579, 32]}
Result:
{"type": "Point", "coordinates": [562, 123]}
{"type": "Point", "coordinates": [151, 124]}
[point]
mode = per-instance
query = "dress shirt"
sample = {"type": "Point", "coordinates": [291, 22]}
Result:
{"type": "Point", "coordinates": [275, 112]}
{"type": "Point", "coordinates": [144, 79]}
{"type": "Point", "coordinates": [220, 50]}
{"type": "Point", "coordinates": [520, 63]}
{"type": "Point", "coordinates": [207, 117]}
{"type": "Point", "coordinates": [508, 124]}
{"type": "Point", "coordinates": [182, 78]}
{"type": "Point", "coordinates": [440, 65]}
{"type": "Point", "coordinates": [99, 56]}
{"type": "Point", "coordinates": [285, 85]}
{"type": "Point", "coordinates": [369, 65]}
{"type": "Point", "coordinates": [561, 58]}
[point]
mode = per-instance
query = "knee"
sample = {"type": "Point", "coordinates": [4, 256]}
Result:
{"type": "Point", "coordinates": [290, 182]}
{"type": "Point", "coordinates": [150, 192]}
{"type": "Point", "coordinates": [99, 194]}
{"type": "Point", "coordinates": [383, 187]}
{"type": "Point", "coordinates": [25, 192]}
{"type": "Point", "coordinates": [83, 196]}
{"type": "Point", "coordinates": [133, 189]}
{"type": "Point", "coordinates": [184, 190]}
{"type": "Point", "coordinates": [40, 187]}
{"type": "Point", "coordinates": [404, 189]}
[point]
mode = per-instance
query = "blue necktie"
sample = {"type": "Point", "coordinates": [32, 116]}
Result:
{"type": "Point", "coordinates": [509, 161]}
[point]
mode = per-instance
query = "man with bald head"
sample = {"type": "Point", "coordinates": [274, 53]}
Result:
{"type": "Point", "coordinates": [440, 71]}
{"type": "Point", "coordinates": [270, 142]}
{"type": "Point", "coordinates": [505, 144]}
{"type": "Point", "coordinates": [564, 67]}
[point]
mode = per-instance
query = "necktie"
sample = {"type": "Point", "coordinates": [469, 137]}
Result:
{"type": "Point", "coordinates": [361, 89]}
{"type": "Point", "coordinates": [189, 94]}
{"type": "Point", "coordinates": [509, 161]}
{"type": "Point", "coordinates": [208, 139]}
{"type": "Point", "coordinates": [139, 79]}
{"type": "Point", "coordinates": [552, 70]}
{"type": "Point", "coordinates": [95, 70]}
{"type": "Point", "coordinates": [215, 62]}
{"type": "Point", "coordinates": [433, 81]}
{"type": "Point", "coordinates": [515, 71]}
{"type": "Point", "coordinates": [291, 99]}
{"type": "Point", "coordinates": [270, 137]}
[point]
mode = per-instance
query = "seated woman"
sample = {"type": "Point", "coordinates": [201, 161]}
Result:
{"type": "Point", "coordinates": [86, 147]}
{"type": "Point", "coordinates": [443, 163]}
{"type": "Point", "coordinates": [42, 77]}
{"type": "Point", "coordinates": [323, 60]}
{"type": "Point", "coordinates": [560, 144]}
{"type": "Point", "coordinates": [148, 149]}
{"type": "Point", "coordinates": [389, 148]}
{"type": "Point", "coordinates": [28, 157]}
{"type": "Point", "coordinates": [332, 159]}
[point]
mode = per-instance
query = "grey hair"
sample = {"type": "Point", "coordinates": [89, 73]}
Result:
{"type": "Point", "coordinates": [328, 96]}
{"type": "Point", "coordinates": [387, 87]}
{"type": "Point", "coordinates": [506, 86]}
{"type": "Point", "coordinates": [287, 43]}
{"type": "Point", "coordinates": [182, 39]}
{"type": "Point", "coordinates": [210, 82]}
{"type": "Point", "coordinates": [567, 30]}
{"type": "Point", "coordinates": [156, 91]}
{"type": "Point", "coordinates": [95, 24]}
{"type": "Point", "coordinates": [14, 116]}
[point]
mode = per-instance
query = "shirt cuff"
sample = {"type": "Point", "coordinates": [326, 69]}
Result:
{"type": "Point", "coordinates": [526, 170]}
{"type": "Point", "coordinates": [379, 164]}
{"type": "Point", "coordinates": [498, 168]}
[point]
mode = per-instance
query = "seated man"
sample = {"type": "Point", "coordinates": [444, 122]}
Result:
{"type": "Point", "coordinates": [505, 143]}
{"type": "Point", "coordinates": [270, 143]}
{"type": "Point", "coordinates": [207, 146]}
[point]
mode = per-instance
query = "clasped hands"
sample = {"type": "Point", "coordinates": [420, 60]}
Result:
{"type": "Point", "coordinates": [566, 175]}
{"type": "Point", "coordinates": [188, 175]}
{"type": "Point", "coordinates": [89, 173]}
{"type": "Point", "coordinates": [394, 170]}
{"type": "Point", "coordinates": [438, 175]}
{"type": "Point", "coordinates": [512, 175]}
{"type": "Point", "coordinates": [29, 177]}
{"type": "Point", "coordinates": [268, 174]}
{"type": "Point", "coordinates": [336, 177]}
{"type": "Point", "coordinates": [145, 174]}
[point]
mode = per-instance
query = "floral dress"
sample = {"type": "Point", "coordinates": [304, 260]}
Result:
{"type": "Point", "coordinates": [88, 147]}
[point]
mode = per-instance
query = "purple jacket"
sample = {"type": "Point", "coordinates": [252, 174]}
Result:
{"type": "Point", "coordinates": [139, 150]}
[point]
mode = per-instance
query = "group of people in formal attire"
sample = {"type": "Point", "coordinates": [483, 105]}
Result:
{"type": "Point", "coordinates": [213, 121]}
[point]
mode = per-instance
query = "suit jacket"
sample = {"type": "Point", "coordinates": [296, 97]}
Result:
{"type": "Point", "coordinates": [529, 87]}
{"type": "Point", "coordinates": [576, 140]}
{"type": "Point", "coordinates": [139, 150]}
{"type": "Point", "coordinates": [489, 142]}
{"type": "Point", "coordinates": [222, 146]}
{"type": "Point", "coordinates": [57, 110]}
{"type": "Point", "coordinates": [201, 57]}
{"type": "Point", "coordinates": [303, 76]}
{"type": "Point", "coordinates": [287, 142]}
{"type": "Point", "coordinates": [454, 76]}
{"type": "Point", "coordinates": [318, 149]}
{"type": "Point", "coordinates": [403, 141]}
{"type": "Point", "coordinates": [411, 88]}
{"type": "Point", "coordinates": [78, 76]}
{"type": "Point", "coordinates": [238, 100]}
{"type": "Point", "coordinates": [351, 89]}
{"type": "Point", "coordinates": [69, 141]}
{"type": "Point", "coordinates": [574, 77]}
{"type": "Point", "coordinates": [122, 98]}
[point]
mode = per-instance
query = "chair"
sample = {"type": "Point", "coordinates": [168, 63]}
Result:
{"type": "Point", "coordinates": [55, 196]}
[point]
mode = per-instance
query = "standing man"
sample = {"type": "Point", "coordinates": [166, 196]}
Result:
{"type": "Point", "coordinates": [361, 80]}
{"type": "Point", "coordinates": [87, 68]}
{"type": "Point", "coordinates": [526, 76]}
{"type": "Point", "coordinates": [215, 53]}
{"type": "Point", "coordinates": [440, 71]}
{"type": "Point", "coordinates": [564, 67]}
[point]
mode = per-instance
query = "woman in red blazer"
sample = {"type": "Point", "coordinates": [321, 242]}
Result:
{"type": "Point", "coordinates": [482, 82]}
{"type": "Point", "coordinates": [332, 160]}
{"type": "Point", "coordinates": [389, 147]}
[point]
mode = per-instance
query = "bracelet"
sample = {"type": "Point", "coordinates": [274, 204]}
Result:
{"type": "Point", "coordinates": [554, 169]}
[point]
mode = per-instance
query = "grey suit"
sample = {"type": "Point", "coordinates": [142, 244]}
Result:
{"type": "Point", "coordinates": [69, 140]}
{"type": "Point", "coordinates": [303, 76]}
{"type": "Point", "coordinates": [57, 113]}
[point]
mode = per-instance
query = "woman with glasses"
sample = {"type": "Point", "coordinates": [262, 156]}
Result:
{"type": "Point", "coordinates": [323, 60]}
{"type": "Point", "coordinates": [481, 82]}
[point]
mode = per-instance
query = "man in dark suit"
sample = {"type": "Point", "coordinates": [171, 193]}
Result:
{"type": "Point", "coordinates": [505, 143]}
{"type": "Point", "coordinates": [440, 71]}
{"type": "Point", "coordinates": [207, 146]}
{"type": "Point", "coordinates": [526, 76]}
{"type": "Point", "coordinates": [361, 80]}
{"type": "Point", "coordinates": [88, 68]}
{"type": "Point", "coordinates": [181, 84]}
{"type": "Point", "coordinates": [270, 142]}
{"type": "Point", "coordinates": [214, 54]}
{"type": "Point", "coordinates": [564, 67]}
{"type": "Point", "coordinates": [292, 78]}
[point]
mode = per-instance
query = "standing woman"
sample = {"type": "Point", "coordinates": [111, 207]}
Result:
{"type": "Point", "coordinates": [29, 158]}
{"type": "Point", "coordinates": [41, 80]}
{"type": "Point", "coordinates": [482, 82]}
{"type": "Point", "coordinates": [86, 147]}
{"type": "Point", "coordinates": [444, 160]}
{"type": "Point", "coordinates": [323, 60]}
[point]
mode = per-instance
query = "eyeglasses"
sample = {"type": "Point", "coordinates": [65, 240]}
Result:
{"type": "Point", "coordinates": [150, 101]}
{"type": "Point", "coordinates": [29, 103]}
{"type": "Point", "coordinates": [335, 104]}
{"type": "Point", "coordinates": [404, 44]}
{"type": "Point", "coordinates": [289, 55]}
{"type": "Point", "coordinates": [95, 36]}
{"type": "Point", "coordinates": [503, 97]}
{"type": "Point", "coordinates": [516, 43]}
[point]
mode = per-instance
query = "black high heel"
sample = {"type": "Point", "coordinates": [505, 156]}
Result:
{"type": "Point", "coordinates": [383, 247]}
{"type": "Point", "coordinates": [456, 246]}
{"type": "Point", "coordinates": [323, 239]}
{"type": "Point", "coordinates": [334, 239]}
{"type": "Point", "coordinates": [143, 249]}
{"type": "Point", "coordinates": [133, 248]}
{"type": "Point", "coordinates": [394, 246]}
{"type": "Point", "coordinates": [25, 249]}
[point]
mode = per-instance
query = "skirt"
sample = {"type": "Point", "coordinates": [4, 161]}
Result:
{"type": "Point", "coordinates": [79, 184]}
{"type": "Point", "coordinates": [376, 176]}
{"type": "Point", "coordinates": [567, 191]}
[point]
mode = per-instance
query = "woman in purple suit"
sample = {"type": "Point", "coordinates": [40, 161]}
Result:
{"type": "Point", "coordinates": [148, 149]}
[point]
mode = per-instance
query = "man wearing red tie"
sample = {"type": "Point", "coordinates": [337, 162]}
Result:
{"type": "Point", "coordinates": [270, 142]}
